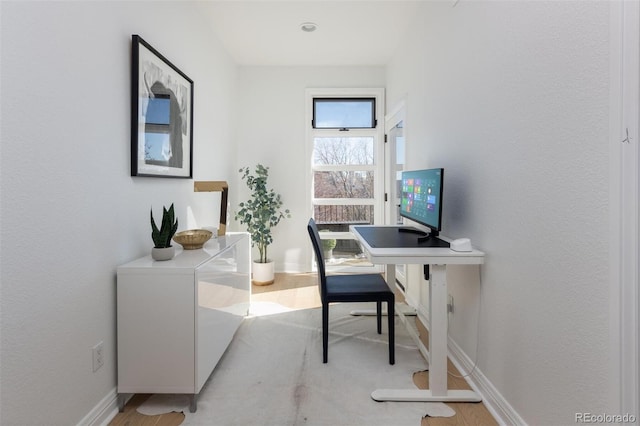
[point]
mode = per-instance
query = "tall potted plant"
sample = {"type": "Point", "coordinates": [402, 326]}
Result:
{"type": "Point", "coordinates": [162, 248]}
{"type": "Point", "coordinates": [260, 213]}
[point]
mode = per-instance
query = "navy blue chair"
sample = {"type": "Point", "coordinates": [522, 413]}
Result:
{"type": "Point", "coordinates": [351, 288]}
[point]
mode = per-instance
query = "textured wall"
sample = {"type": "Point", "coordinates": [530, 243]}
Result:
{"type": "Point", "coordinates": [70, 211]}
{"type": "Point", "coordinates": [511, 98]}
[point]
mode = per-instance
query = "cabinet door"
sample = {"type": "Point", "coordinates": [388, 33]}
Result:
{"type": "Point", "coordinates": [224, 291]}
{"type": "Point", "coordinates": [156, 332]}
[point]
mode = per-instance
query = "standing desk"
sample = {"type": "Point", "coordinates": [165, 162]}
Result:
{"type": "Point", "coordinates": [385, 245]}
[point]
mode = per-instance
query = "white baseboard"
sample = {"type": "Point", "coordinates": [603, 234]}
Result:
{"type": "Point", "coordinates": [497, 405]}
{"type": "Point", "coordinates": [493, 400]}
{"type": "Point", "coordinates": [103, 412]}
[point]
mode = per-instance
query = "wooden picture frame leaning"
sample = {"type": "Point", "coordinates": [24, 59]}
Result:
{"type": "Point", "coordinates": [216, 186]}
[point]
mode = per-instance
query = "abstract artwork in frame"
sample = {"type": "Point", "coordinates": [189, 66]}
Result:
{"type": "Point", "coordinates": [161, 115]}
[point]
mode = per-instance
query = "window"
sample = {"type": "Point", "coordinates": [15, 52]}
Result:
{"type": "Point", "coordinates": [157, 147]}
{"type": "Point", "coordinates": [345, 113]}
{"type": "Point", "coordinates": [346, 150]}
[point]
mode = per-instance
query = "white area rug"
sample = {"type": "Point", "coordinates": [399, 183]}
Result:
{"type": "Point", "coordinates": [259, 309]}
{"type": "Point", "coordinates": [272, 374]}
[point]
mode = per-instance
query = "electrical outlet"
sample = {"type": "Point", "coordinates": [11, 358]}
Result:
{"type": "Point", "coordinates": [98, 356]}
{"type": "Point", "coordinates": [450, 304]}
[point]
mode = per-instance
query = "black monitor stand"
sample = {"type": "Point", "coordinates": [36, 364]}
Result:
{"type": "Point", "coordinates": [423, 236]}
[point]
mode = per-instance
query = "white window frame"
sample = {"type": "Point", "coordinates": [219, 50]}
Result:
{"type": "Point", "coordinates": [379, 159]}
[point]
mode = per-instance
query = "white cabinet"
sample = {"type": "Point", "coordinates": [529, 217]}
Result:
{"type": "Point", "coordinates": [177, 317]}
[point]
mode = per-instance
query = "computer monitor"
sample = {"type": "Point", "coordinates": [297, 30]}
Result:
{"type": "Point", "coordinates": [421, 199]}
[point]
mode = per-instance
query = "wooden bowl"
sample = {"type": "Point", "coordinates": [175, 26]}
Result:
{"type": "Point", "coordinates": [192, 239]}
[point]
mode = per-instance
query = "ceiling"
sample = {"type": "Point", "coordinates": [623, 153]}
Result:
{"type": "Point", "coordinates": [349, 33]}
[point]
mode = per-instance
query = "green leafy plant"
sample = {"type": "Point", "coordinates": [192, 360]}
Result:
{"type": "Point", "coordinates": [162, 237]}
{"type": "Point", "coordinates": [328, 243]}
{"type": "Point", "coordinates": [262, 211]}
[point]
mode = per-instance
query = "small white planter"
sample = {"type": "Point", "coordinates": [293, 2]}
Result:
{"type": "Point", "coordinates": [263, 273]}
{"type": "Point", "coordinates": [165, 253]}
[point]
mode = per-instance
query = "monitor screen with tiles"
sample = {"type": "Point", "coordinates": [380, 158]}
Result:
{"type": "Point", "coordinates": [421, 198]}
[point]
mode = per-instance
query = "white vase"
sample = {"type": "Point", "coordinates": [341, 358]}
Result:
{"type": "Point", "coordinates": [165, 253]}
{"type": "Point", "coordinates": [263, 273]}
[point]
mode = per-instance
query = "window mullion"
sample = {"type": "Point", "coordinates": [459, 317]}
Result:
{"type": "Point", "coordinates": [333, 133]}
{"type": "Point", "coordinates": [343, 201]}
{"type": "Point", "coordinates": [340, 168]}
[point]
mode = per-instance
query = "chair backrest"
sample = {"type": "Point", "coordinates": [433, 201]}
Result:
{"type": "Point", "coordinates": [315, 242]}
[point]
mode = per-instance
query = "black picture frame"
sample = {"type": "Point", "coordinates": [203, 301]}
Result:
{"type": "Point", "coordinates": [161, 115]}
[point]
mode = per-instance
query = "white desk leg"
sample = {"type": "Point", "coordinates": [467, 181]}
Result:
{"type": "Point", "coordinates": [438, 330]}
{"type": "Point", "coordinates": [390, 275]}
{"type": "Point", "coordinates": [437, 352]}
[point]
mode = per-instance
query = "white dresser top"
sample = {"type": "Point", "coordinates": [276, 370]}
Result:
{"type": "Point", "coordinates": [185, 260]}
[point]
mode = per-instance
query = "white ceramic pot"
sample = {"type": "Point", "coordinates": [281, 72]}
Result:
{"type": "Point", "coordinates": [165, 253]}
{"type": "Point", "coordinates": [263, 273]}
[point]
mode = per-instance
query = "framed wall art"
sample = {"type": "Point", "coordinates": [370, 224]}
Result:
{"type": "Point", "coordinates": [161, 115]}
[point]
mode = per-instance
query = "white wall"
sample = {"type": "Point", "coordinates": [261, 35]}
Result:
{"type": "Point", "coordinates": [272, 132]}
{"type": "Point", "coordinates": [511, 98]}
{"type": "Point", "coordinates": [70, 211]}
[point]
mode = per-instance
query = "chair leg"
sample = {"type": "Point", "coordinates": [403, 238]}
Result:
{"type": "Point", "coordinates": [379, 316]}
{"type": "Point", "coordinates": [392, 348]}
{"type": "Point", "coordinates": [325, 332]}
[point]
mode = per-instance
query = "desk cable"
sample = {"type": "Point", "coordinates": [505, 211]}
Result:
{"type": "Point", "coordinates": [475, 363]}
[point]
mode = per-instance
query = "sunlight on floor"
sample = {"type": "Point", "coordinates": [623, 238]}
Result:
{"type": "Point", "coordinates": [259, 309]}
{"type": "Point", "coordinates": [289, 292]}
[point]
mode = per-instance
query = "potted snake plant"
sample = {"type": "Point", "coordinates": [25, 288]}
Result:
{"type": "Point", "coordinates": [162, 248]}
{"type": "Point", "coordinates": [260, 213]}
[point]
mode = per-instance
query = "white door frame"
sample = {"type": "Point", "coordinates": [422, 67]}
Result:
{"type": "Point", "coordinates": [397, 115]}
{"type": "Point", "coordinates": [625, 193]}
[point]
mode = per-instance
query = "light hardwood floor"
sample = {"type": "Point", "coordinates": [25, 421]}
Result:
{"type": "Point", "coordinates": [300, 291]}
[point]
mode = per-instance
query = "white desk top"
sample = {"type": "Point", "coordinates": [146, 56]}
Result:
{"type": "Point", "coordinates": [418, 255]}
